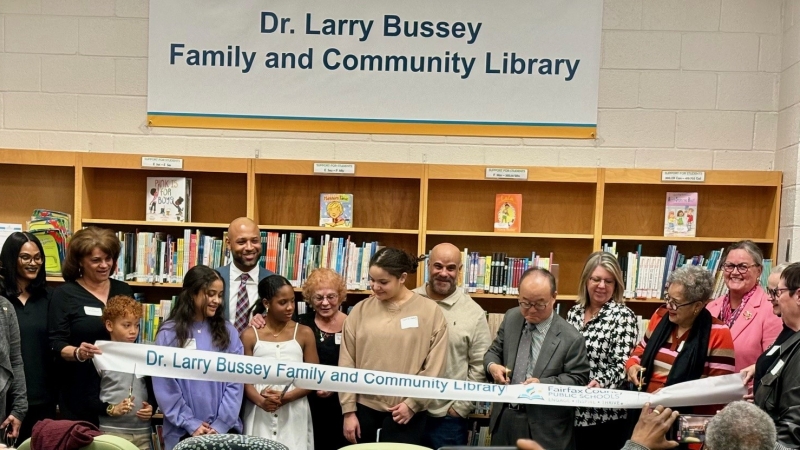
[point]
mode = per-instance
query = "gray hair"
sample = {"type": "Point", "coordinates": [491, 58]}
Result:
{"type": "Point", "coordinates": [697, 282]}
{"type": "Point", "coordinates": [741, 426]}
{"type": "Point", "coordinates": [779, 268]}
{"type": "Point", "coordinates": [750, 247]}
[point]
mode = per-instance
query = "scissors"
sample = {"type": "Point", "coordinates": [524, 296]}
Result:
{"type": "Point", "coordinates": [286, 389]}
{"type": "Point", "coordinates": [7, 440]}
{"type": "Point", "coordinates": [133, 380]}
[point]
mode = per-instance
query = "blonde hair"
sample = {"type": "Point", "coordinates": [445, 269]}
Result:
{"type": "Point", "coordinates": [608, 262]}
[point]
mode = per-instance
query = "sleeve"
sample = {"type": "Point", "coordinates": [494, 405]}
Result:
{"type": "Point", "coordinates": [435, 361]}
{"type": "Point", "coordinates": [228, 412]}
{"type": "Point", "coordinates": [630, 445]}
{"type": "Point", "coordinates": [18, 391]}
{"type": "Point", "coordinates": [170, 395]}
{"type": "Point", "coordinates": [58, 321]}
{"type": "Point", "coordinates": [623, 340]}
{"type": "Point", "coordinates": [721, 357]}
{"type": "Point", "coordinates": [575, 368]}
{"type": "Point", "coordinates": [788, 424]}
{"type": "Point", "coordinates": [347, 357]}
{"type": "Point", "coordinates": [478, 344]}
{"type": "Point", "coordinates": [773, 326]}
{"type": "Point", "coordinates": [495, 353]}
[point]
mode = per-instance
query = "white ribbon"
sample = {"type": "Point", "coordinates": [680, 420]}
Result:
{"type": "Point", "coordinates": [172, 362]}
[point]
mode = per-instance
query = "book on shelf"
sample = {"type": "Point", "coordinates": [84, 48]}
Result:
{"type": "Point", "coordinates": [295, 257]}
{"type": "Point", "coordinates": [646, 276]}
{"type": "Point", "coordinates": [336, 210]}
{"type": "Point", "coordinates": [498, 273]}
{"type": "Point", "coordinates": [157, 257]}
{"type": "Point", "coordinates": [680, 214]}
{"type": "Point", "coordinates": [53, 229]}
{"type": "Point", "coordinates": [154, 314]}
{"type": "Point", "coordinates": [169, 199]}
{"type": "Point", "coordinates": [507, 213]}
{"type": "Point", "coordinates": [6, 229]}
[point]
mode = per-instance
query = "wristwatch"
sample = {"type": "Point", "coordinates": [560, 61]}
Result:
{"type": "Point", "coordinates": [110, 410]}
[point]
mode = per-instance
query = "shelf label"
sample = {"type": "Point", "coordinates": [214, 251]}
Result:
{"type": "Point", "coordinates": [334, 168]}
{"type": "Point", "coordinates": [162, 163]}
{"type": "Point", "coordinates": [506, 174]}
{"type": "Point", "coordinates": [682, 175]}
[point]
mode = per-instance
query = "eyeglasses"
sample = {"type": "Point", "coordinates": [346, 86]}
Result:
{"type": "Point", "coordinates": [741, 268]}
{"type": "Point", "coordinates": [673, 305]}
{"type": "Point", "coordinates": [597, 280]}
{"type": "Point", "coordinates": [329, 297]}
{"type": "Point", "coordinates": [538, 306]}
{"type": "Point", "coordinates": [775, 293]}
{"type": "Point", "coordinates": [26, 258]}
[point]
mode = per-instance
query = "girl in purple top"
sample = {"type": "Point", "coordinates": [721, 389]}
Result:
{"type": "Point", "coordinates": [193, 408]}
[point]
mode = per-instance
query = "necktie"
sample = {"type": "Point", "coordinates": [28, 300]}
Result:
{"type": "Point", "coordinates": [523, 355]}
{"type": "Point", "coordinates": [242, 305]}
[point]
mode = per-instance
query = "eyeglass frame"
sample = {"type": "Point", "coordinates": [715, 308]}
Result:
{"type": "Point", "coordinates": [669, 301]}
{"type": "Point", "coordinates": [729, 267]}
{"type": "Point", "coordinates": [777, 292]}
{"type": "Point", "coordinates": [539, 306]}
{"type": "Point", "coordinates": [597, 280]}
{"type": "Point", "coordinates": [330, 297]}
{"type": "Point", "coordinates": [26, 258]}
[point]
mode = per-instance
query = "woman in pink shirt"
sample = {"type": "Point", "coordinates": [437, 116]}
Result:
{"type": "Point", "coordinates": [746, 308]}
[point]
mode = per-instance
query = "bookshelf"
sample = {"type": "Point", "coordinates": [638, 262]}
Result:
{"type": "Point", "coordinates": [567, 211]}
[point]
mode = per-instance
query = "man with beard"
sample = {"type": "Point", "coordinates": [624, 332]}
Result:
{"type": "Point", "coordinates": [468, 340]}
{"type": "Point", "coordinates": [242, 276]}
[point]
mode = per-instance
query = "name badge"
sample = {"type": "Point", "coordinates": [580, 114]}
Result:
{"type": "Point", "coordinates": [93, 311]}
{"type": "Point", "coordinates": [774, 349]}
{"type": "Point", "coordinates": [191, 344]}
{"type": "Point", "coordinates": [338, 338]}
{"type": "Point", "coordinates": [409, 322]}
{"type": "Point", "coordinates": [777, 367]}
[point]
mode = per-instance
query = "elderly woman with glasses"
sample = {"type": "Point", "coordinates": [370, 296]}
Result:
{"type": "Point", "coordinates": [610, 330]}
{"type": "Point", "coordinates": [746, 308]}
{"type": "Point", "coordinates": [686, 340]}
{"type": "Point", "coordinates": [325, 290]}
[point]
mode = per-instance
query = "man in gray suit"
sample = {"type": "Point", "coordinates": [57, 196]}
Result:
{"type": "Point", "coordinates": [535, 345]}
{"type": "Point", "coordinates": [241, 277]}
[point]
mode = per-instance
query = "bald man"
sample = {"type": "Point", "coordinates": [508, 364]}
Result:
{"type": "Point", "coordinates": [243, 274]}
{"type": "Point", "coordinates": [468, 340]}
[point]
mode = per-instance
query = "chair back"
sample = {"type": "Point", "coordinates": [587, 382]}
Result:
{"type": "Point", "coordinates": [228, 442]}
{"type": "Point", "coordinates": [102, 442]}
{"type": "Point", "coordinates": [384, 446]}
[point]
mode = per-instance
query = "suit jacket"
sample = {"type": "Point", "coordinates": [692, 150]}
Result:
{"type": "Point", "coordinates": [562, 360]}
{"type": "Point", "coordinates": [12, 375]}
{"type": "Point", "coordinates": [225, 272]}
{"type": "Point", "coordinates": [779, 395]}
{"type": "Point", "coordinates": [754, 331]}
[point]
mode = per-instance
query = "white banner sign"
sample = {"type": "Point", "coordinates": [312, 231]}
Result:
{"type": "Point", "coordinates": [452, 67]}
{"type": "Point", "coordinates": [210, 366]}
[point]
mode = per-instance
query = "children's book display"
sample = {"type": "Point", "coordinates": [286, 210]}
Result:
{"type": "Point", "coordinates": [508, 213]}
{"type": "Point", "coordinates": [336, 210]}
{"type": "Point", "coordinates": [680, 214]}
{"type": "Point", "coordinates": [169, 199]}
{"type": "Point", "coordinates": [52, 228]}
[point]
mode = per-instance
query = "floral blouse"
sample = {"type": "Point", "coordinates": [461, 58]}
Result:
{"type": "Point", "coordinates": [610, 337]}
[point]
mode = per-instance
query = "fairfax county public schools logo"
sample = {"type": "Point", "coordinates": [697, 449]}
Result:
{"type": "Point", "coordinates": [533, 393]}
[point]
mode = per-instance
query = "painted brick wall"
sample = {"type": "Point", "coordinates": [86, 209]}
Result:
{"type": "Point", "coordinates": [684, 84]}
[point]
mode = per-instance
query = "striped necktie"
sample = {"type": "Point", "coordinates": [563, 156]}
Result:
{"type": "Point", "coordinates": [242, 305]}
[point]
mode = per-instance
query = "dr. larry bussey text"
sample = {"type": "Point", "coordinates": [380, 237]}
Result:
{"type": "Point", "coordinates": [461, 63]}
{"type": "Point", "coordinates": [314, 373]}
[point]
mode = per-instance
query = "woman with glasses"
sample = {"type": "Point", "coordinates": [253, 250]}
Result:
{"type": "Point", "coordinates": [746, 309]}
{"type": "Point", "coordinates": [325, 291]}
{"type": "Point", "coordinates": [610, 330]}
{"type": "Point", "coordinates": [686, 340]}
{"type": "Point", "coordinates": [23, 283]}
{"type": "Point", "coordinates": [777, 391]}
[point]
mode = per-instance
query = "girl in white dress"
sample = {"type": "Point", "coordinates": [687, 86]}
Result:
{"type": "Point", "coordinates": [286, 420]}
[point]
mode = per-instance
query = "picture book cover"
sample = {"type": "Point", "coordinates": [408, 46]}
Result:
{"type": "Point", "coordinates": [336, 210]}
{"type": "Point", "coordinates": [508, 213]}
{"type": "Point", "coordinates": [169, 199]}
{"type": "Point", "coordinates": [680, 214]}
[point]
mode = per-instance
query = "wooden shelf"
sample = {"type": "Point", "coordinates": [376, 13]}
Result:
{"type": "Point", "coordinates": [145, 223]}
{"type": "Point", "coordinates": [713, 178]}
{"type": "Point", "coordinates": [479, 416]}
{"type": "Point", "coordinates": [509, 235]}
{"type": "Point", "coordinates": [324, 230]}
{"type": "Point", "coordinates": [678, 240]}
